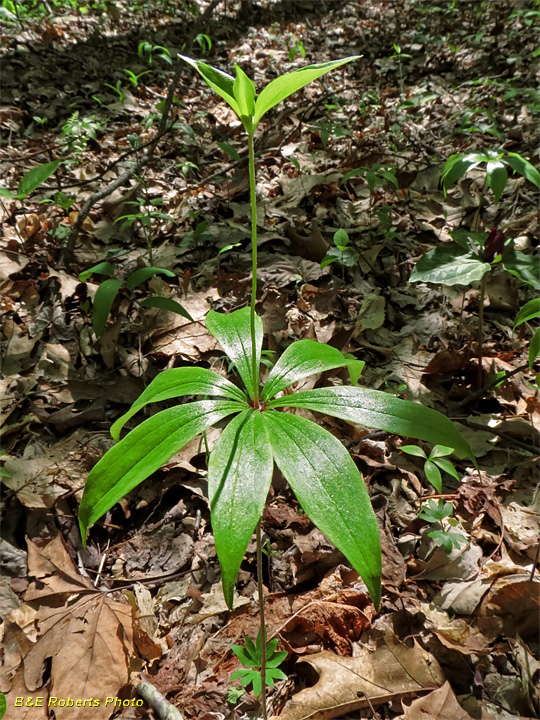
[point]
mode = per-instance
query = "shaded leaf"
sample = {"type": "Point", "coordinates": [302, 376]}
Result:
{"type": "Point", "coordinates": [165, 303]}
{"type": "Point", "coordinates": [449, 265]}
{"type": "Point", "coordinates": [139, 276]}
{"type": "Point", "coordinates": [103, 300]}
{"type": "Point", "coordinates": [36, 177]}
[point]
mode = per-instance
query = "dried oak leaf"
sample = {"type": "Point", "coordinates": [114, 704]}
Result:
{"type": "Point", "coordinates": [87, 635]}
{"type": "Point", "coordinates": [392, 671]}
{"type": "Point", "coordinates": [440, 704]}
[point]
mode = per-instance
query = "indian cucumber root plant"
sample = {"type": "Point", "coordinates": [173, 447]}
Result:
{"type": "Point", "coordinates": [263, 428]}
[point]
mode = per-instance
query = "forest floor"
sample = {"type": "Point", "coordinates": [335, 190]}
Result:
{"type": "Point", "coordinates": [457, 632]}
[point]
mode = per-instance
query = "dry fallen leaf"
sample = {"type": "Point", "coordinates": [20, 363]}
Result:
{"type": "Point", "coordinates": [440, 704]}
{"type": "Point", "coordinates": [86, 634]}
{"type": "Point", "coordinates": [392, 671]}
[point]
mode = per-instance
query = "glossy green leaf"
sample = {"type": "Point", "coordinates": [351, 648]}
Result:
{"type": "Point", "coordinates": [102, 268]}
{"type": "Point", "coordinates": [229, 150]}
{"type": "Point", "coordinates": [523, 167]}
{"type": "Point", "coordinates": [457, 165]}
{"type": "Point", "coordinates": [301, 359]}
{"type": "Point", "coordinates": [433, 474]}
{"type": "Point", "coordinates": [36, 177]}
{"type": "Point", "coordinates": [524, 267]}
{"type": "Point", "coordinates": [139, 276]}
{"type": "Point", "coordinates": [380, 410]}
{"type": "Point", "coordinates": [534, 347]}
{"type": "Point", "coordinates": [413, 450]}
{"type": "Point", "coordinates": [3, 705]}
{"type": "Point", "coordinates": [497, 177]}
{"type": "Point", "coordinates": [447, 466]}
{"type": "Point", "coordinates": [4, 192]}
{"type": "Point", "coordinates": [103, 300]}
{"type": "Point", "coordinates": [244, 93]}
{"type": "Point", "coordinates": [330, 489]}
{"type": "Point", "coordinates": [180, 382]}
{"type": "Point", "coordinates": [239, 477]}
{"type": "Point", "coordinates": [233, 331]}
{"type": "Point", "coordinates": [286, 85]}
{"type": "Point", "coordinates": [143, 451]}
{"type": "Point", "coordinates": [165, 303]}
{"type": "Point", "coordinates": [529, 311]}
{"type": "Point", "coordinates": [440, 451]}
{"type": "Point", "coordinates": [221, 82]}
{"type": "Point", "coordinates": [449, 265]}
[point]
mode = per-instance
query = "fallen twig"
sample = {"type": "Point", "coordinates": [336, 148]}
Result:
{"type": "Point", "coordinates": [160, 705]}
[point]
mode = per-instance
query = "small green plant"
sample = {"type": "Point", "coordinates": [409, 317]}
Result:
{"type": "Point", "coordinates": [204, 42]}
{"type": "Point", "coordinates": [251, 657]}
{"type": "Point", "coordinates": [118, 89]}
{"type": "Point", "coordinates": [319, 469]}
{"type": "Point", "coordinates": [147, 212]}
{"type": "Point", "coordinates": [496, 164]}
{"type": "Point", "coordinates": [439, 515]}
{"type": "Point", "coordinates": [234, 694]}
{"type": "Point", "coordinates": [134, 77]}
{"type": "Point", "coordinates": [528, 312]}
{"type": "Point", "coordinates": [147, 51]}
{"type": "Point", "coordinates": [434, 463]}
{"type": "Point", "coordinates": [399, 55]}
{"type": "Point", "coordinates": [341, 253]}
{"type": "Point", "coordinates": [295, 49]}
{"type": "Point", "coordinates": [109, 289]}
{"type": "Point", "coordinates": [31, 180]}
{"type": "Point", "coordinates": [60, 200]}
{"type": "Point", "coordinates": [78, 131]}
{"type": "Point", "coordinates": [375, 176]}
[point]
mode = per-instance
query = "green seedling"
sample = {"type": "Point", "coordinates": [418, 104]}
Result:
{"type": "Point", "coordinates": [145, 217]}
{"type": "Point", "coordinates": [118, 89]}
{"type": "Point", "coordinates": [133, 77]}
{"type": "Point", "coordinates": [60, 200]}
{"type": "Point", "coordinates": [295, 49]}
{"type": "Point", "coordinates": [399, 55]}
{"type": "Point", "coordinates": [78, 131]}
{"type": "Point", "coordinates": [317, 466]}
{"type": "Point", "coordinates": [376, 176]}
{"type": "Point", "coordinates": [203, 42]}
{"type": "Point", "coordinates": [434, 463]}
{"type": "Point", "coordinates": [234, 694]}
{"type": "Point", "coordinates": [439, 515]}
{"type": "Point", "coordinates": [496, 167]}
{"type": "Point", "coordinates": [251, 657]}
{"type": "Point", "coordinates": [147, 51]}
{"type": "Point", "coordinates": [528, 312]}
{"type": "Point", "coordinates": [109, 289]}
{"type": "Point", "coordinates": [31, 180]}
{"type": "Point", "coordinates": [341, 253]}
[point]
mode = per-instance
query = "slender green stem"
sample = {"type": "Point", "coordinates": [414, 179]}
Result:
{"type": "Point", "coordinates": [481, 330]}
{"type": "Point", "coordinates": [262, 621]}
{"type": "Point", "coordinates": [252, 193]}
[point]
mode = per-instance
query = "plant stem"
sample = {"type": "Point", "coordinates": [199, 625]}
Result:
{"type": "Point", "coordinates": [262, 622]}
{"type": "Point", "coordinates": [253, 198]}
{"type": "Point", "coordinates": [481, 330]}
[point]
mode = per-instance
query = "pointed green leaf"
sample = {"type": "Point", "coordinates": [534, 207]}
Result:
{"type": "Point", "coordinates": [139, 276]}
{"type": "Point", "coordinates": [276, 659]}
{"type": "Point", "coordinates": [244, 92]}
{"type": "Point", "coordinates": [449, 265]}
{"type": "Point", "coordinates": [239, 477]}
{"type": "Point", "coordinates": [244, 655]}
{"type": "Point", "coordinates": [165, 303]}
{"type": "Point", "coordinates": [233, 331]}
{"type": "Point", "coordinates": [380, 410]}
{"type": "Point", "coordinates": [529, 311]}
{"type": "Point", "coordinates": [102, 268]}
{"type": "Point", "coordinates": [179, 382]}
{"type": "Point", "coordinates": [103, 300]}
{"type": "Point", "coordinates": [523, 167]}
{"type": "Point", "coordinates": [330, 489]}
{"type": "Point", "coordinates": [447, 466]}
{"type": "Point", "coordinates": [4, 192]}
{"type": "Point", "coordinates": [143, 451]}
{"type": "Point", "coordinates": [413, 450]}
{"type": "Point", "coordinates": [496, 178]}
{"type": "Point", "coordinates": [440, 451]}
{"type": "Point", "coordinates": [433, 474]}
{"type": "Point", "coordinates": [221, 82]}
{"type": "Point", "coordinates": [525, 267]}
{"type": "Point", "coordinates": [456, 166]}
{"type": "Point", "coordinates": [301, 359]}
{"type": "Point", "coordinates": [286, 85]}
{"type": "Point", "coordinates": [36, 177]}
{"type": "Point", "coordinates": [534, 347]}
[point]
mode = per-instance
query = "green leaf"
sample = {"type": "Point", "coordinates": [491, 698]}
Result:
{"type": "Point", "coordinates": [245, 657]}
{"type": "Point", "coordinates": [301, 359]}
{"type": "Point", "coordinates": [274, 674]}
{"type": "Point", "coordinates": [244, 92]}
{"type": "Point", "coordinates": [414, 450]}
{"type": "Point", "coordinates": [434, 511]}
{"type": "Point", "coordinates": [233, 331]}
{"type": "Point", "coordinates": [102, 268]}
{"type": "Point", "coordinates": [534, 348]}
{"type": "Point", "coordinates": [523, 167]}
{"type": "Point", "coordinates": [440, 451]}
{"type": "Point", "coordinates": [239, 477]}
{"type": "Point", "coordinates": [2, 705]}
{"type": "Point", "coordinates": [143, 451]}
{"type": "Point", "coordinates": [139, 276]}
{"type": "Point", "coordinates": [165, 303]}
{"type": "Point", "coordinates": [529, 311]}
{"type": "Point", "coordinates": [221, 82]}
{"type": "Point", "coordinates": [286, 85]}
{"type": "Point", "coordinates": [449, 265]}
{"type": "Point", "coordinates": [36, 177]}
{"type": "Point", "coordinates": [4, 192]}
{"type": "Point", "coordinates": [331, 491]}
{"type": "Point", "coordinates": [382, 411]}
{"type": "Point", "coordinates": [447, 466]}
{"type": "Point", "coordinates": [179, 382]}
{"type": "Point", "coordinates": [457, 165]}
{"type": "Point", "coordinates": [496, 178]}
{"type": "Point", "coordinates": [103, 300]}
{"type": "Point", "coordinates": [525, 267]}
{"type": "Point", "coordinates": [229, 150]}
{"type": "Point", "coordinates": [433, 474]}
